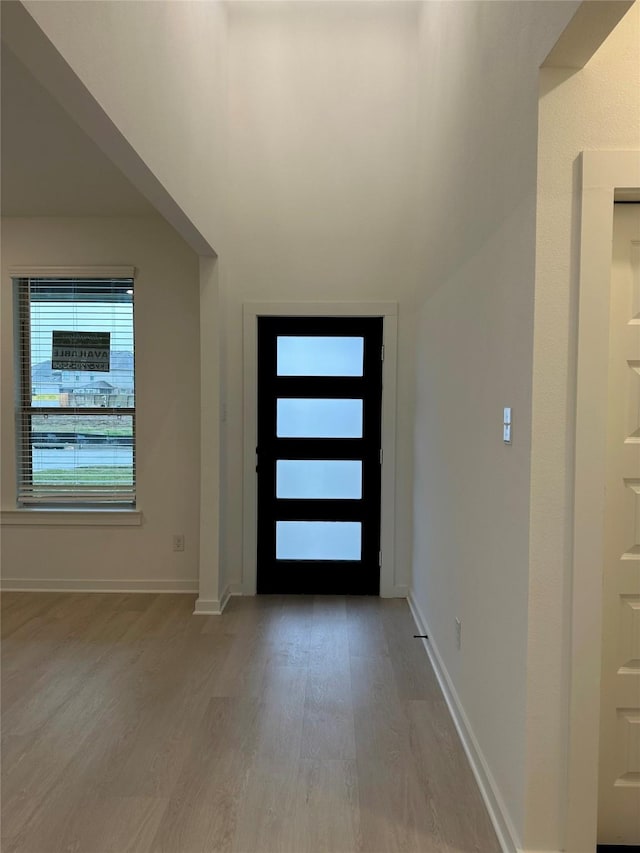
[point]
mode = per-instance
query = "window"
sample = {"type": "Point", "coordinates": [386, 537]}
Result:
{"type": "Point", "coordinates": [76, 391]}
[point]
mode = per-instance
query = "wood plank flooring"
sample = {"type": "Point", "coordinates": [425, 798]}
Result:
{"type": "Point", "coordinates": [288, 725]}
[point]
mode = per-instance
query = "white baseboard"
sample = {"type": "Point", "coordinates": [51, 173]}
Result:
{"type": "Point", "coordinates": [97, 585]}
{"type": "Point", "coordinates": [507, 836]}
{"type": "Point", "coordinates": [213, 606]}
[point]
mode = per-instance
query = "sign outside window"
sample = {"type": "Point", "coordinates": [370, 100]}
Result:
{"type": "Point", "coordinates": [88, 351]}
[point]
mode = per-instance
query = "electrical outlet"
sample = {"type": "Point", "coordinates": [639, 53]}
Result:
{"type": "Point", "coordinates": [178, 542]}
{"type": "Point", "coordinates": [458, 633]}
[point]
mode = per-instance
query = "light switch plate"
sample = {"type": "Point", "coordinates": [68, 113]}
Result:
{"type": "Point", "coordinates": [506, 426]}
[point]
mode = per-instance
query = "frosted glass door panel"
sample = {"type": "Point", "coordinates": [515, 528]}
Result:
{"type": "Point", "coordinates": [300, 417]}
{"type": "Point", "coordinates": [318, 540]}
{"type": "Point", "coordinates": [331, 479]}
{"type": "Point", "coordinates": [317, 356]}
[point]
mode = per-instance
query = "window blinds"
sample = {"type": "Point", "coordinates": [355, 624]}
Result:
{"type": "Point", "coordinates": [76, 391]}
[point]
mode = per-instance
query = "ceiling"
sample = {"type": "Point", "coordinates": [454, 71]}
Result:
{"type": "Point", "coordinates": [50, 167]}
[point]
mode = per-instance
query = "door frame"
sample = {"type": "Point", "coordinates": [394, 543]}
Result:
{"type": "Point", "coordinates": [607, 176]}
{"type": "Point", "coordinates": [389, 313]}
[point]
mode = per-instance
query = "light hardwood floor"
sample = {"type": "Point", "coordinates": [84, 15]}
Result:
{"type": "Point", "coordinates": [296, 725]}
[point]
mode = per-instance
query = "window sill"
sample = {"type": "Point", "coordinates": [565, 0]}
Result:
{"type": "Point", "coordinates": [39, 517]}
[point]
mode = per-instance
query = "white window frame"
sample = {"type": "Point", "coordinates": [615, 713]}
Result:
{"type": "Point", "coordinates": [77, 513]}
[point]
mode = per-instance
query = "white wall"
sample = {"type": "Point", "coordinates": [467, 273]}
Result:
{"type": "Point", "coordinates": [595, 109]}
{"type": "Point", "coordinates": [322, 113]}
{"type": "Point", "coordinates": [158, 71]}
{"type": "Point", "coordinates": [372, 149]}
{"type": "Point", "coordinates": [322, 133]}
{"type": "Point", "coordinates": [478, 123]}
{"type": "Point", "coordinates": [167, 382]}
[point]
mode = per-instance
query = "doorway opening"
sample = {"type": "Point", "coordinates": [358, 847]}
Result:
{"type": "Point", "coordinates": [601, 671]}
